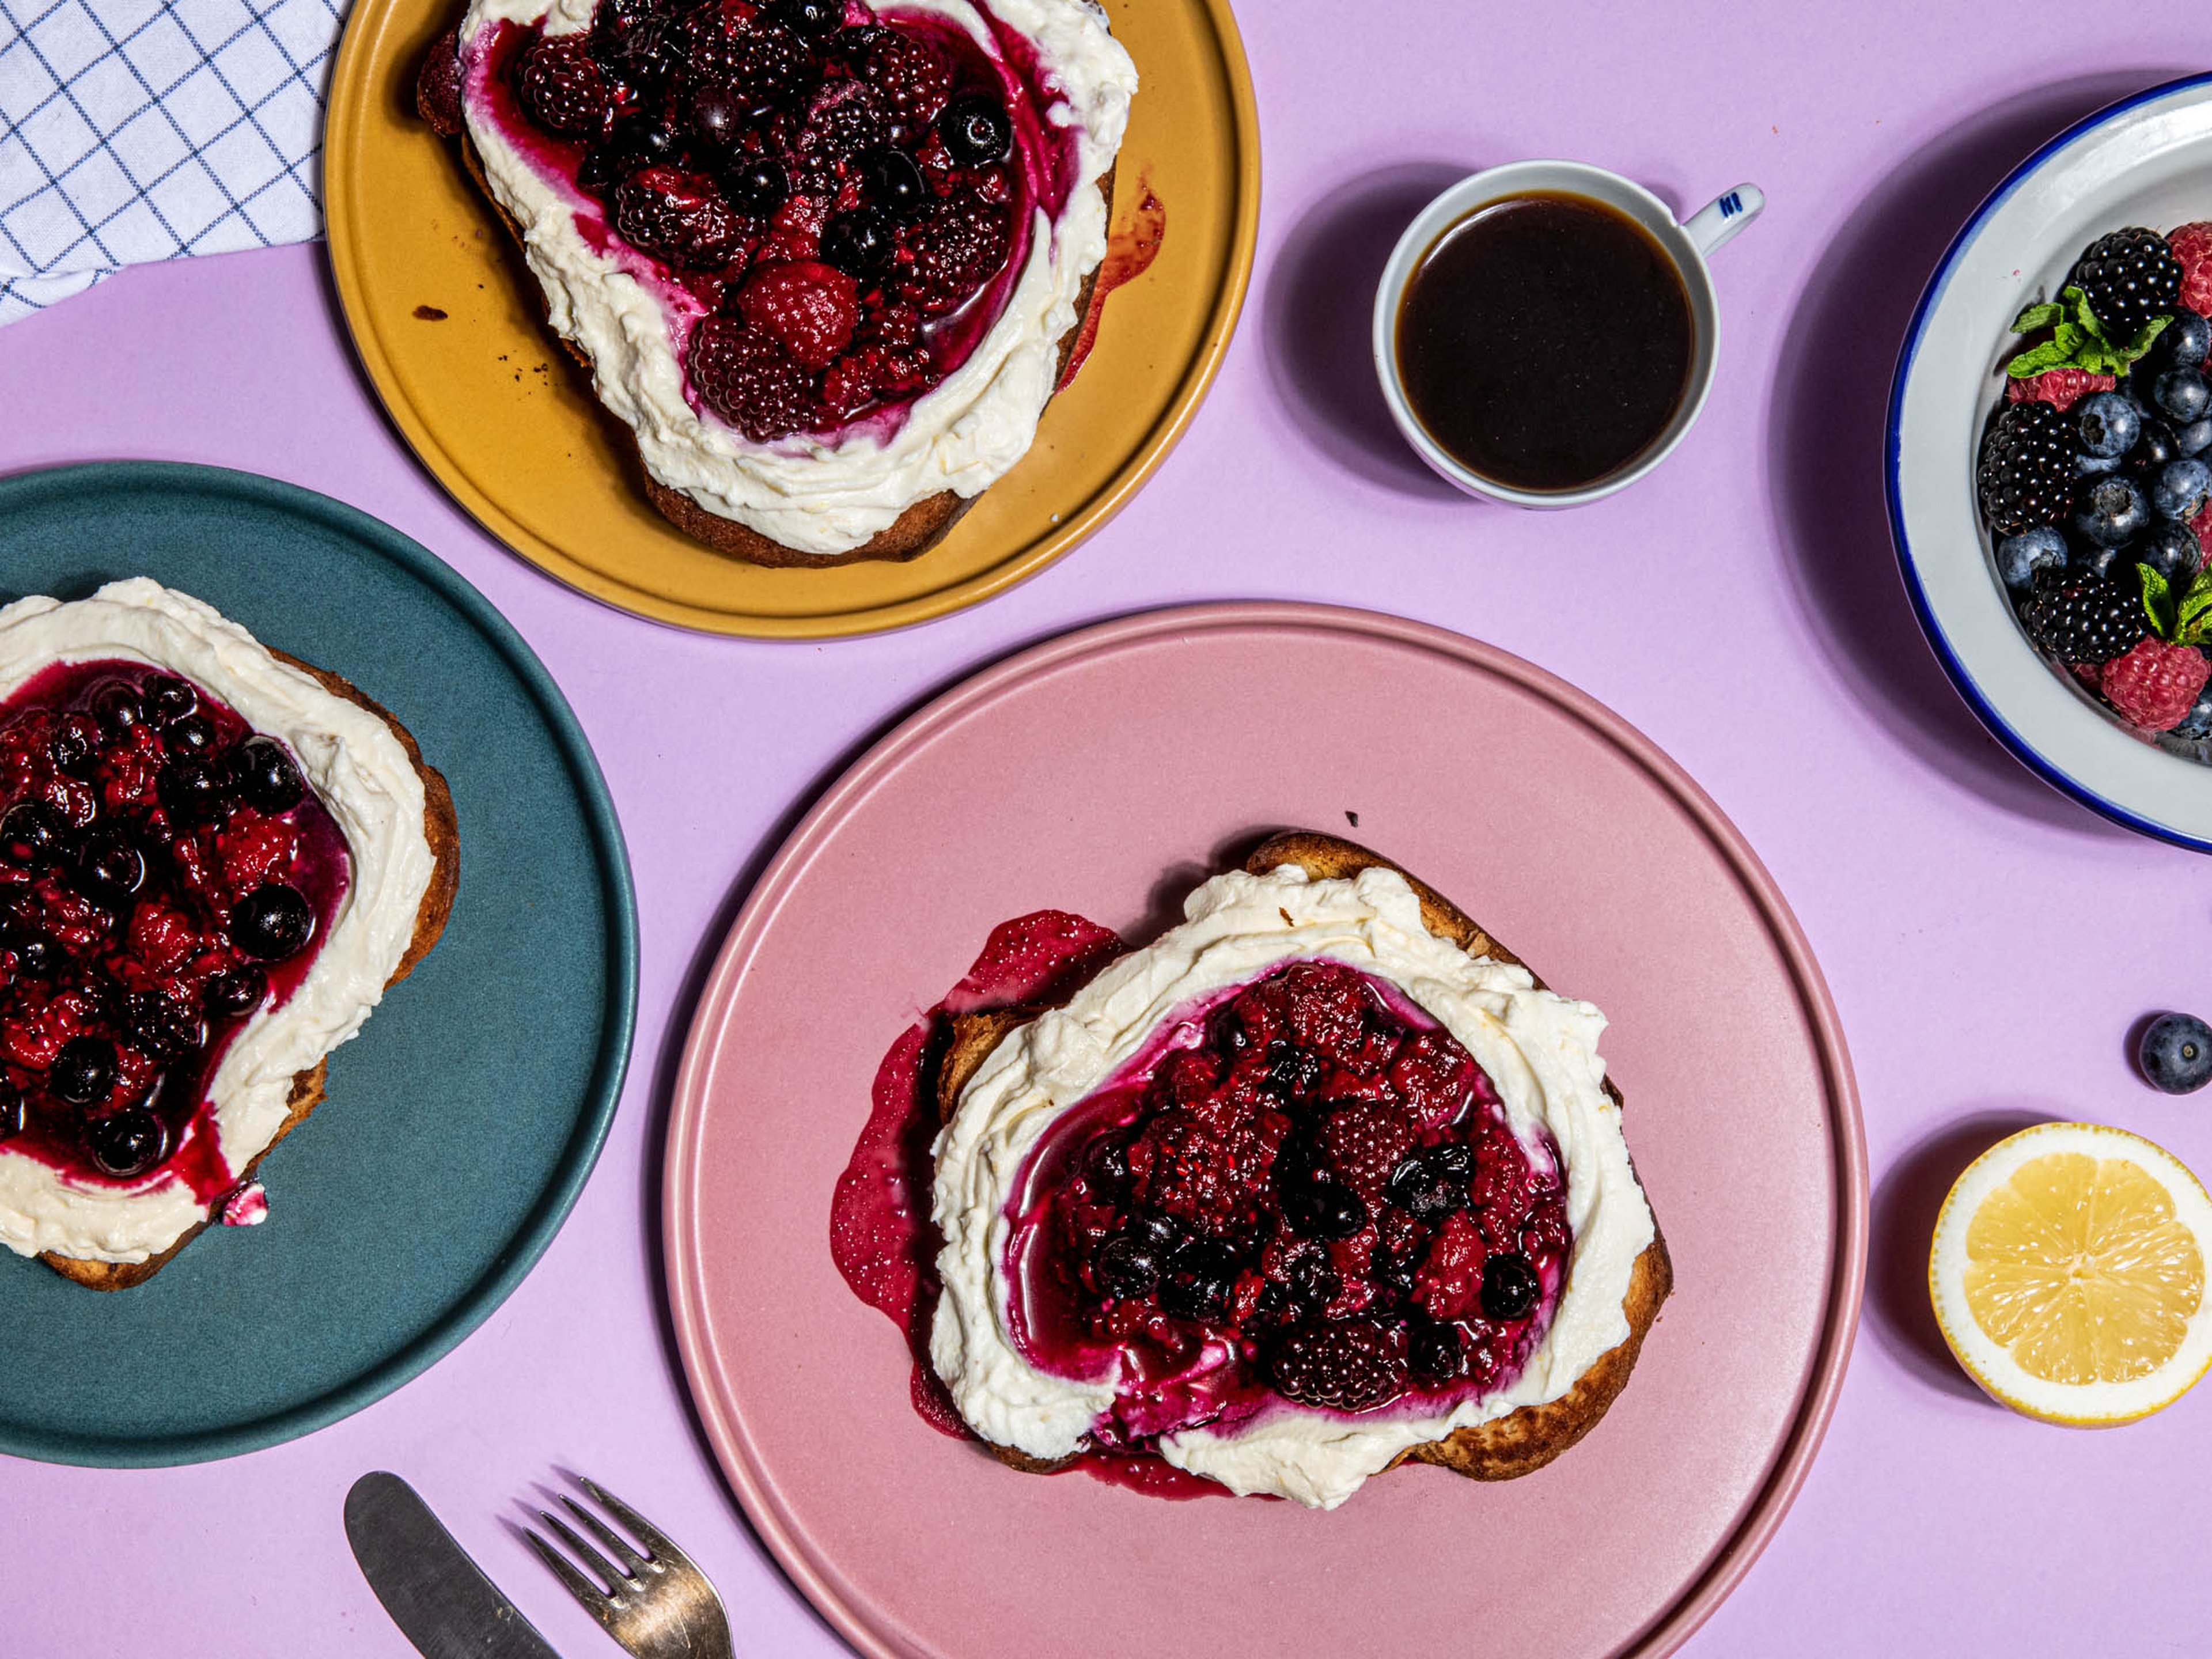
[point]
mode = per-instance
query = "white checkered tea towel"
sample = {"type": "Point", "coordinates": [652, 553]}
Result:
{"type": "Point", "coordinates": [138, 130]}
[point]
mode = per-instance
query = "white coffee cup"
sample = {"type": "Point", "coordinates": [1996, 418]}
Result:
{"type": "Point", "coordinates": [1686, 244]}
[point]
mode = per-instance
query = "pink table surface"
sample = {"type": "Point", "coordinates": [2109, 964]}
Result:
{"type": "Point", "coordinates": [1989, 944]}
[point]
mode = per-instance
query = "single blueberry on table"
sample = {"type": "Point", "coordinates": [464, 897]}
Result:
{"type": "Point", "coordinates": [2110, 511]}
{"type": "Point", "coordinates": [2183, 395]}
{"type": "Point", "coordinates": [2106, 424]}
{"type": "Point", "coordinates": [2175, 1054]}
{"type": "Point", "coordinates": [2170, 548]}
{"type": "Point", "coordinates": [2181, 488]}
{"type": "Point", "coordinates": [2019, 558]}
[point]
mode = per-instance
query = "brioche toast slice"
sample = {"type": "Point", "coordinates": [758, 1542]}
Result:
{"type": "Point", "coordinates": [441, 828]}
{"type": "Point", "coordinates": [1508, 1447]}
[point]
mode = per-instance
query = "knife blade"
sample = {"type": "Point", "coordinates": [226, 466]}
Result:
{"type": "Point", "coordinates": [439, 1598]}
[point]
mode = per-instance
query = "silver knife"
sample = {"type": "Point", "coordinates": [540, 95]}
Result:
{"type": "Point", "coordinates": [439, 1598]}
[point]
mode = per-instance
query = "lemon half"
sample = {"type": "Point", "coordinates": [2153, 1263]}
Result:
{"type": "Point", "coordinates": [2069, 1274]}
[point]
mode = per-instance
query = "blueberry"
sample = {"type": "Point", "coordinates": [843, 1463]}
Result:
{"type": "Point", "coordinates": [110, 868]}
{"type": "Point", "coordinates": [2110, 511]}
{"type": "Point", "coordinates": [192, 735]}
{"type": "Point", "coordinates": [35, 954]}
{"type": "Point", "coordinates": [1125, 1266]}
{"type": "Point", "coordinates": [893, 182]}
{"type": "Point", "coordinates": [2089, 466]}
{"type": "Point", "coordinates": [1161, 1231]}
{"type": "Point", "coordinates": [2197, 722]}
{"type": "Point", "coordinates": [2184, 342]}
{"type": "Point", "coordinates": [127, 1142]}
{"type": "Point", "coordinates": [2086, 558]}
{"type": "Point", "coordinates": [2181, 488]}
{"type": "Point", "coordinates": [2175, 1054]}
{"type": "Point", "coordinates": [1291, 1073]}
{"type": "Point", "coordinates": [859, 243]}
{"type": "Point", "coordinates": [813, 17]}
{"type": "Point", "coordinates": [2183, 395]}
{"type": "Point", "coordinates": [1435, 1350]}
{"type": "Point", "coordinates": [2170, 548]}
{"type": "Point", "coordinates": [975, 130]}
{"type": "Point", "coordinates": [236, 992]}
{"type": "Point", "coordinates": [117, 707]}
{"type": "Point", "coordinates": [1509, 1287]}
{"type": "Point", "coordinates": [2106, 423]}
{"type": "Point", "coordinates": [718, 118]}
{"type": "Point", "coordinates": [1198, 1279]}
{"type": "Point", "coordinates": [272, 923]}
{"type": "Point", "coordinates": [262, 772]}
{"type": "Point", "coordinates": [1425, 1190]}
{"type": "Point", "coordinates": [83, 1072]}
{"type": "Point", "coordinates": [2194, 438]}
{"type": "Point", "coordinates": [758, 188]}
{"type": "Point", "coordinates": [31, 834]}
{"type": "Point", "coordinates": [75, 746]}
{"type": "Point", "coordinates": [1322, 1208]}
{"type": "Point", "coordinates": [190, 790]}
{"type": "Point", "coordinates": [169, 699]}
{"type": "Point", "coordinates": [15, 1111]}
{"type": "Point", "coordinates": [1310, 1278]}
{"type": "Point", "coordinates": [2153, 449]}
{"type": "Point", "coordinates": [1107, 1163]}
{"type": "Point", "coordinates": [2021, 557]}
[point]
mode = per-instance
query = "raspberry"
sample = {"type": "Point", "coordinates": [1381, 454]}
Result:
{"type": "Point", "coordinates": [2202, 524]}
{"type": "Point", "coordinates": [1364, 1142]}
{"type": "Point", "coordinates": [2155, 684]}
{"type": "Point", "coordinates": [683, 218]}
{"type": "Point", "coordinates": [1343, 1365]}
{"type": "Point", "coordinates": [562, 88]}
{"type": "Point", "coordinates": [952, 251]}
{"type": "Point", "coordinates": [1449, 1284]}
{"type": "Point", "coordinates": [873, 374]}
{"type": "Point", "coordinates": [2130, 277]}
{"type": "Point", "coordinates": [1186, 1170]}
{"type": "Point", "coordinates": [910, 77]}
{"type": "Point", "coordinates": [749, 380]}
{"type": "Point", "coordinates": [810, 309]}
{"type": "Point", "coordinates": [2061, 388]}
{"type": "Point", "coordinates": [2192, 245]}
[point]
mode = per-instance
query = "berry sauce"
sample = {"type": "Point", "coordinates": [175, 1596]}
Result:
{"type": "Point", "coordinates": [164, 875]}
{"type": "Point", "coordinates": [1235, 1127]}
{"type": "Point", "coordinates": [832, 219]}
{"type": "Point", "coordinates": [1131, 247]}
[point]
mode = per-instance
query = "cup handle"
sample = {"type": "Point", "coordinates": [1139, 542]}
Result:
{"type": "Point", "coordinates": [1720, 219]}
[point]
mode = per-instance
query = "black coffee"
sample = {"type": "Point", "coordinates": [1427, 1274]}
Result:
{"type": "Point", "coordinates": [1544, 341]}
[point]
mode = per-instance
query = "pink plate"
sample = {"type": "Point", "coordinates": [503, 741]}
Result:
{"type": "Point", "coordinates": [1105, 773]}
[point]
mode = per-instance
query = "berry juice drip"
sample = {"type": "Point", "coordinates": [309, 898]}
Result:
{"type": "Point", "coordinates": [833, 204]}
{"type": "Point", "coordinates": [1545, 341]}
{"type": "Point", "coordinates": [165, 874]}
{"type": "Point", "coordinates": [1302, 1189]}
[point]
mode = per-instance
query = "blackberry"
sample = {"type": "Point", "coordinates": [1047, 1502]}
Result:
{"type": "Point", "coordinates": [2087, 619]}
{"type": "Point", "coordinates": [2026, 474]}
{"type": "Point", "coordinates": [681, 217]}
{"type": "Point", "coordinates": [1342, 1365]}
{"type": "Point", "coordinates": [2130, 277]}
{"type": "Point", "coordinates": [761, 65]}
{"type": "Point", "coordinates": [911, 78]}
{"type": "Point", "coordinates": [961, 245]}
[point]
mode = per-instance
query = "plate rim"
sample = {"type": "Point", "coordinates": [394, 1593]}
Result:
{"type": "Point", "coordinates": [351, 98]}
{"type": "Point", "coordinates": [1794, 1450]}
{"type": "Point", "coordinates": [603, 1094]}
{"type": "Point", "coordinates": [1955, 668]}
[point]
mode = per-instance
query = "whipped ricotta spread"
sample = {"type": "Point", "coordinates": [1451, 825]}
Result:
{"type": "Point", "coordinates": [813, 495]}
{"type": "Point", "coordinates": [360, 772]}
{"type": "Point", "coordinates": [1540, 1050]}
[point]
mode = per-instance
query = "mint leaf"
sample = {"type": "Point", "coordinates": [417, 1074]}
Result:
{"type": "Point", "coordinates": [2084, 319]}
{"type": "Point", "coordinates": [2193, 617]}
{"type": "Point", "coordinates": [2038, 316]}
{"type": "Point", "coordinates": [2036, 359]}
{"type": "Point", "coordinates": [2149, 331]}
{"type": "Point", "coordinates": [2195, 632]}
{"type": "Point", "coordinates": [2157, 600]}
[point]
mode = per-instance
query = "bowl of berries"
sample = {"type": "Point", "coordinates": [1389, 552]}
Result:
{"type": "Point", "coordinates": [2050, 461]}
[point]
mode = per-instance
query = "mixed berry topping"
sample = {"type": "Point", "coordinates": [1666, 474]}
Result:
{"type": "Point", "coordinates": [833, 198]}
{"type": "Point", "coordinates": [2095, 478]}
{"type": "Point", "coordinates": [164, 874]}
{"type": "Point", "coordinates": [1309, 1190]}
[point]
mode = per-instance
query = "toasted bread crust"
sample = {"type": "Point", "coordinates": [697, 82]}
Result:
{"type": "Point", "coordinates": [441, 828]}
{"type": "Point", "coordinates": [912, 534]}
{"type": "Point", "coordinates": [1508, 1447]}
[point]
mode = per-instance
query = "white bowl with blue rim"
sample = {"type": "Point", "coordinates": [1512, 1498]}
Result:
{"type": "Point", "coordinates": [2144, 160]}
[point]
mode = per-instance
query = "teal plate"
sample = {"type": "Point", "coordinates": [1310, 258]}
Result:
{"type": "Point", "coordinates": [461, 1124]}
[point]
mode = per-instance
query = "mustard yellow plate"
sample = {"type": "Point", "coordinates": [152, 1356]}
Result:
{"type": "Point", "coordinates": [449, 325]}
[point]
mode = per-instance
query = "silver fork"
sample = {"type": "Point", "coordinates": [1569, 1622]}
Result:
{"type": "Point", "coordinates": [657, 1605]}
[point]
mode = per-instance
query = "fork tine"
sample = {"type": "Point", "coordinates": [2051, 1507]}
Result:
{"type": "Point", "coordinates": [657, 1543]}
{"type": "Point", "coordinates": [633, 1563]}
{"type": "Point", "coordinates": [584, 1553]}
{"type": "Point", "coordinates": [579, 1586]}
